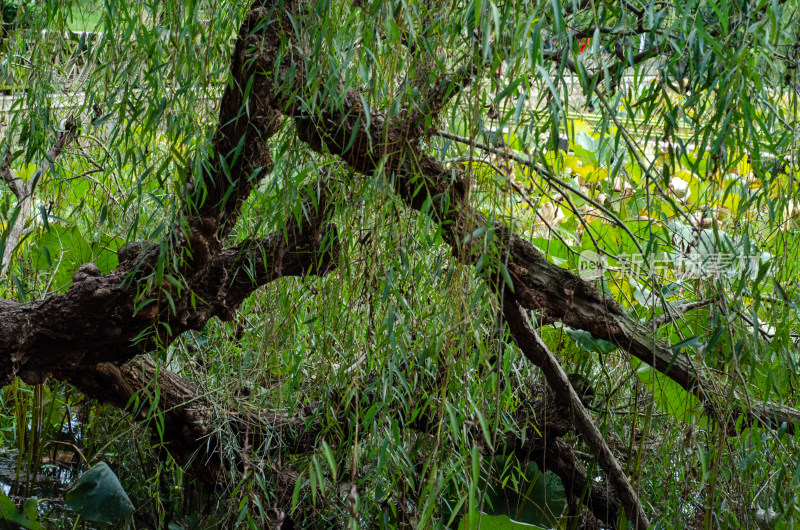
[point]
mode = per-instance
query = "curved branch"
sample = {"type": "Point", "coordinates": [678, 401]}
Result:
{"type": "Point", "coordinates": [191, 423]}
{"type": "Point", "coordinates": [113, 317]}
{"type": "Point", "coordinates": [341, 128]}
{"type": "Point", "coordinates": [555, 293]}
{"type": "Point", "coordinates": [102, 317]}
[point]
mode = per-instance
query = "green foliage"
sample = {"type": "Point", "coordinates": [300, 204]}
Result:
{"type": "Point", "coordinates": [13, 517]}
{"type": "Point", "coordinates": [534, 498]}
{"type": "Point", "coordinates": [399, 354]}
{"type": "Point", "coordinates": [61, 250]}
{"type": "Point", "coordinates": [494, 522]}
{"type": "Point", "coordinates": [10, 11]}
{"type": "Point", "coordinates": [97, 495]}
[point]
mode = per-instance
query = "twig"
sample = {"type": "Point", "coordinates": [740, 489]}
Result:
{"type": "Point", "coordinates": [546, 174]}
{"type": "Point", "coordinates": [677, 312]}
{"type": "Point", "coordinates": [9, 176]}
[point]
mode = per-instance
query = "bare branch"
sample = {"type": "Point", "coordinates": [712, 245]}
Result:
{"type": "Point", "coordinates": [539, 354]}
{"type": "Point", "coordinates": [678, 312]}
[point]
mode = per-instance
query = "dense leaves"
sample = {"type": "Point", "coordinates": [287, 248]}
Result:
{"type": "Point", "coordinates": [620, 174]}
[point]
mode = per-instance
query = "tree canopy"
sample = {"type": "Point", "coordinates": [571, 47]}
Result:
{"type": "Point", "coordinates": [400, 263]}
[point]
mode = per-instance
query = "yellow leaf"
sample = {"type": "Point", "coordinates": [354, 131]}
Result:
{"type": "Point", "coordinates": [731, 202]}
{"type": "Point", "coordinates": [26, 172]}
{"type": "Point", "coordinates": [593, 174]}
{"type": "Point", "coordinates": [577, 126]}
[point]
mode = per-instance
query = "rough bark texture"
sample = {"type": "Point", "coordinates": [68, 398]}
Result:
{"type": "Point", "coordinates": [110, 318]}
{"type": "Point", "coordinates": [420, 179]}
{"type": "Point", "coordinates": [191, 424]}
{"type": "Point", "coordinates": [369, 141]}
{"type": "Point", "coordinates": [550, 452]}
{"type": "Point", "coordinates": [537, 352]}
{"type": "Point", "coordinates": [87, 334]}
{"type": "Point", "coordinates": [97, 319]}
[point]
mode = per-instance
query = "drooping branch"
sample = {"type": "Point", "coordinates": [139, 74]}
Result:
{"type": "Point", "coordinates": [23, 191]}
{"type": "Point", "coordinates": [368, 147]}
{"type": "Point", "coordinates": [555, 293]}
{"type": "Point", "coordinates": [597, 77]}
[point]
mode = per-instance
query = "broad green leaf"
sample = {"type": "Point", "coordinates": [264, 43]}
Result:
{"type": "Point", "coordinates": [669, 395]}
{"type": "Point", "coordinates": [533, 498]}
{"type": "Point", "coordinates": [97, 495]}
{"type": "Point", "coordinates": [588, 342]}
{"type": "Point", "coordinates": [13, 517]}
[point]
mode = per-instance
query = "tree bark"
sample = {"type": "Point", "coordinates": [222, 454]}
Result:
{"type": "Point", "coordinates": [87, 334]}
{"type": "Point", "coordinates": [191, 424]}
{"type": "Point", "coordinates": [110, 318]}
{"type": "Point", "coordinates": [554, 293]}
{"type": "Point", "coordinates": [102, 318]}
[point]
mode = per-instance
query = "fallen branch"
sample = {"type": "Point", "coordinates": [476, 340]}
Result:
{"type": "Point", "coordinates": [539, 354]}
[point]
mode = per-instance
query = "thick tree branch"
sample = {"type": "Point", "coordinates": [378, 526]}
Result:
{"type": "Point", "coordinates": [102, 318]}
{"type": "Point", "coordinates": [341, 131]}
{"type": "Point", "coordinates": [113, 317]}
{"type": "Point", "coordinates": [555, 293]}
{"type": "Point", "coordinates": [423, 116]}
{"type": "Point", "coordinates": [537, 352]}
{"type": "Point", "coordinates": [615, 326]}
{"type": "Point", "coordinates": [551, 421]}
{"type": "Point", "coordinates": [191, 428]}
{"type": "Point", "coordinates": [240, 155]}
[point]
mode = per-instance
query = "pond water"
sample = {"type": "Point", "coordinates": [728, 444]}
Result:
{"type": "Point", "coordinates": [62, 463]}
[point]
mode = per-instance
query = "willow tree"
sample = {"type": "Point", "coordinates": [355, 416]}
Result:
{"type": "Point", "coordinates": [526, 237]}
